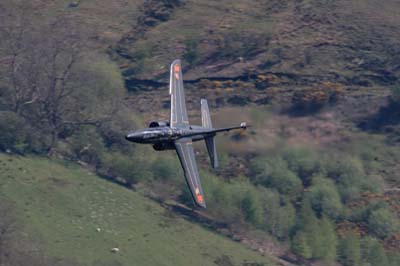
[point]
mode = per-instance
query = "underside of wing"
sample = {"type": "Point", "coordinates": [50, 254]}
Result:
{"type": "Point", "coordinates": [184, 149]}
{"type": "Point", "coordinates": [179, 117]}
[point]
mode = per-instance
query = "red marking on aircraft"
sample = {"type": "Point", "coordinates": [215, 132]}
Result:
{"type": "Point", "coordinates": [199, 198]}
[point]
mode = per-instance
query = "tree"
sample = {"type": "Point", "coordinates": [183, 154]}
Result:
{"type": "Point", "coordinates": [279, 214]}
{"type": "Point", "coordinates": [324, 199]}
{"type": "Point", "coordinates": [373, 253]}
{"type": "Point", "coordinates": [47, 79]}
{"type": "Point", "coordinates": [383, 223]}
{"type": "Point", "coordinates": [323, 240]}
{"type": "Point", "coordinates": [274, 173]}
{"type": "Point", "coordinates": [350, 250]}
{"type": "Point", "coordinates": [252, 207]}
{"type": "Point", "coordinates": [300, 246]}
{"type": "Point", "coordinates": [13, 131]}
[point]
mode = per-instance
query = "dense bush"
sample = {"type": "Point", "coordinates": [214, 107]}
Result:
{"type": "Point", "coordinates": [314, 98]}
{"type": "Point", "coordinates": [350, 250]}
{"type": "Point", "coordinates": [87, 145]}
{"type": "Point", "coordinates": [351, 178]}
{"type": "Point", "coordinates": [304, 162]}
{"type": "Point", "coordinates": [274, 173]}
{"type": "Point", "coordinates": [383, 223]}
{"type": "Point", "coordinates": [279, 214]}
{"type": "Point", "coordinates": [166, 168]}
{"type": "Point", "coordinates": [13, 132]}
{"type": "Point", "coordinates": [373, 253]}
{"type": "Point", "coordinates": [320, 235]}
{"type": "Point", "coordinates": [324, 199]}
{"type": "Point", "coordinates": [120, 166]}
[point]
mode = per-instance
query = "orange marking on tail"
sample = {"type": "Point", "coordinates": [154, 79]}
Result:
{"type": "Point", "coordinates": [176, 68]}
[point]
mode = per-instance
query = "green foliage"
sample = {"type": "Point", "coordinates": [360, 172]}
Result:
{"type": "Point", "coordinates": [55, 195]}
{"type": "Point", "coordinates": [319, 233]}
{"type": "Point", "coordinates": [350, 177]}
{"type": "Point", "coordinates": [274, 173]}
{"type": "Point", "coordinates": [87, 145]}
{"type": "Point", "coordinates": [131, 170]}
{"type": "Point", "coordinates": [165, 168]}
{"type": "Point", "coordinates": [252, 207]}
{"type": "Point", "coordinates": [13, 132]}
{"type": "Point", "coordinates": [383, 223]}
{"type": "Point", "coordinates": [304, 162]}
{"type": "Point", "coordinates": [325, 199]}
{"type": "Point", "coordinates": [323, 240]}
{"type": "Point", "coordinates": [300, 246]}
{"type": "Point", "coordinates": [350, 250]}
{"type": "Point", "coordinates": [279, 214]}
{"type": "Point", "coordinates": [373, 253]}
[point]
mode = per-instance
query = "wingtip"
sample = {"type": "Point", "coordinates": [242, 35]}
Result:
{"type": "Point", "coordinates": [176, 61]}
{"type": "Point", "coordinates": [202, 205]}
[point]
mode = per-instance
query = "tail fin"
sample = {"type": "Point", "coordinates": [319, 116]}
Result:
{"type": "Point", "coordinates": [205, 114]}
{"type": "Point", "coordinates": [210, 141]}
{"type": "Point", "coordinates": [212, 151]}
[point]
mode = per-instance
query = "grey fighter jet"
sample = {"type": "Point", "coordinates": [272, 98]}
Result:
{"type": "Point", "coordinates": [178, 134]}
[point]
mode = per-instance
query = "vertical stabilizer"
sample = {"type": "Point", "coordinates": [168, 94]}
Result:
{"type": "Point", "coordinates": [212, 151]}
{"type": "Point", "coordinates": [205, 114]}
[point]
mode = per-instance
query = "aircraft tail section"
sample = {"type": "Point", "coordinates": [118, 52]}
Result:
{"type": "Point", "coordinates": [212, 151]}
{"type": "Point", "coordinates": [210, 141]}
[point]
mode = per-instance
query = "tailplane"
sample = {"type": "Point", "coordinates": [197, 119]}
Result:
{"type": "Point", "coordinates": [210, 141]}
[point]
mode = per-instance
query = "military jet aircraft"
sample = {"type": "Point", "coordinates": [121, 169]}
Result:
{"type": "Point", "coordinates": [178, 134]}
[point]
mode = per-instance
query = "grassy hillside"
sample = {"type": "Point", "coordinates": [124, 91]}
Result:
{"type": "Point", "coordinates": [61, 206]}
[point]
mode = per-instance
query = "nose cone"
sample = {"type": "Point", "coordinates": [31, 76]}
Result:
{"type": "Point", "coordinates": [133, 136]}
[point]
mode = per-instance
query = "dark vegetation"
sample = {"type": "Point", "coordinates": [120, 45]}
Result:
{"type": "Point", "coordinates": [59, 97]}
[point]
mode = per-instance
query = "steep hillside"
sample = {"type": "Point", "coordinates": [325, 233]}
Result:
{"type": "Point", "coordinates": [73, 216]}
{"type": "Point", "coordinates": [348, 41]}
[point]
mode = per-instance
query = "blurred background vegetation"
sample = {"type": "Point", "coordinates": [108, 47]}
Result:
{"type": "Point", "coordinates": [318, 171]}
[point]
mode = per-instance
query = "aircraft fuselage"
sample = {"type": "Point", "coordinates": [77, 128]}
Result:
{"type": "Point", "coordinates": [168, 134]}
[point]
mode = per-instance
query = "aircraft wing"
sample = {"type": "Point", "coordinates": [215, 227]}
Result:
{"type": "Point", "coordinates": [179, 117]}
{"type": "Point", "coordinates": [184, 149]}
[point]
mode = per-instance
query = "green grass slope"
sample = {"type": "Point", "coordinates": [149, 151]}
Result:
{"type": "Point", "coordinates": [62, 206]}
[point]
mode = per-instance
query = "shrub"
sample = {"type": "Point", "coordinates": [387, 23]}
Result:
{"type": "Point", "coordinates": [350, 250]}
{"type": "Point", "coordinates": [323, 240]}
{"type": "Point", "coordinates": [252, 208]}
{"type": "Point", "coordinates": [304, 162]}
{"type": "Point", "coordinates": [274, 173]}
{"type": "Point", "coordinates": [383, 223]}
{"type": "Point", "coordinates": [13, 132]}
{"type": "Point", "coordinates": [300, 246]}
{"type": "Point", "coordinates": [320, 233]}
{"type": "Point", "coordinates": [117, 165]}
{"type": "Point", "coordinates": [324, 199]}
{"type": "Point", "coordinates": [351, 178]}
{"type": "Point", "coordinates": [279, 214]}
{"type": "Point", "coordinates": [313, 99]}
{"type": "Point", "coordinates": [373, 252]}
{"type": "Point", "coordinates": [87, 145]}
{"type": "Point", "coordinates": [165, 168]}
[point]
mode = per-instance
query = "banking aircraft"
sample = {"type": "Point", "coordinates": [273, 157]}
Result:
{"type": "Point", "coordinates": [177, 134]}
